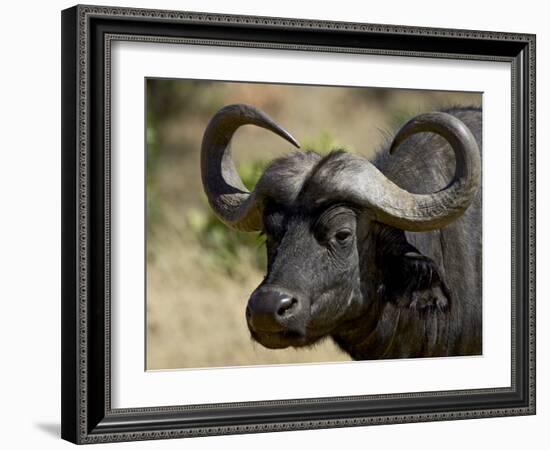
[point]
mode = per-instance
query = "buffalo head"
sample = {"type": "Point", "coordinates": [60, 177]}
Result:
{"type": "Point", "coordinates": [334, 227]}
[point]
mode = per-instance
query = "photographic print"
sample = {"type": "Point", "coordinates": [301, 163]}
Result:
{"type": "Point", "coordinates": [271, 204]}
{"type": "Point", "coordinates": [290, 224]}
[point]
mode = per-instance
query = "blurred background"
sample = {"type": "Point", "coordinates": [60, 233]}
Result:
{"type": "Point", "coordinates": [199, 272]}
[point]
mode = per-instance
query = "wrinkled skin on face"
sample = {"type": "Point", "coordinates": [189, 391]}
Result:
{"type": "Point", "coordinates": [312, 255]}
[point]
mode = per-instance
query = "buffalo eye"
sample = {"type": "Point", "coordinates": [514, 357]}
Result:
{"type": "Point", "coordinates": [335, 226]}
{"type": "Point", "coordinates": [342, 236]}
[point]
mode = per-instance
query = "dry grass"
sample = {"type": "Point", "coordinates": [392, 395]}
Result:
{"type": "Point", "coordinates": [195, 313]}
{"type": "Point", "coordinates": [196, 316]}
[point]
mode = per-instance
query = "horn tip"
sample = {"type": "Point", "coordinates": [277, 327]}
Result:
{"type": "Point", "coordinates": [291, 139]}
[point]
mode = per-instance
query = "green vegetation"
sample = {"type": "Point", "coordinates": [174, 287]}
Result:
{"type": "Point", "coordinates": [324, 143]}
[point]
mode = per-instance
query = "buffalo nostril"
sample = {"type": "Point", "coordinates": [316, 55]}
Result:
{"type": "Point", "coordinates": [270, 310]}
{"type": "Point", "coordinates": [286, 305]}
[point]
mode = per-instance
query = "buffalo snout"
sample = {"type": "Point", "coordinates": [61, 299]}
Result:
{"type": "Point", "coordinates": [272, 310]}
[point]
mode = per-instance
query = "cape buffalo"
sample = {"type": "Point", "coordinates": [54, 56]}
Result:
{"type": "Point", "coordinates": [383, 256]}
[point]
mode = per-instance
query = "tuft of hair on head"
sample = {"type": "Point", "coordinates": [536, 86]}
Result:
{"type": "Point", "coordinates": [284, 177]}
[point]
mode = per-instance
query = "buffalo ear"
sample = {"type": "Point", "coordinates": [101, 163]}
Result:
{"type": "Point", "coordinates": [416, 283]}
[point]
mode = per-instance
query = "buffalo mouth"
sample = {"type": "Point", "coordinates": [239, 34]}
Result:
{"type": "Point", "coordinates": [279, 339]}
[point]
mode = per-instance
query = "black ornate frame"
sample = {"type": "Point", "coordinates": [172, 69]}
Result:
{"type": "Point", "coordinates": [87, 33]}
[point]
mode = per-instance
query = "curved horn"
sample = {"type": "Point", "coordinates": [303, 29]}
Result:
{"type": "Point", "coordinates": [357, 180]}
{"type": "Point", "coordinates": [226, 193]}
